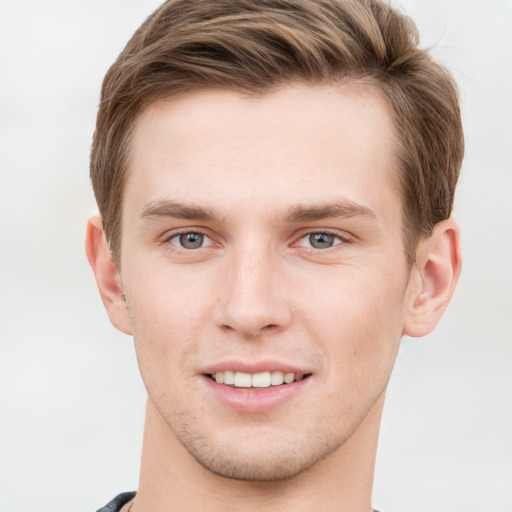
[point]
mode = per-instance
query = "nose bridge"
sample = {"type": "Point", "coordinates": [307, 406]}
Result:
{"type": "Point", "coordinates": [250, 299]}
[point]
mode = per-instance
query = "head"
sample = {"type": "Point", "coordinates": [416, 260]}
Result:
{"type": "Point", "coordinates": [257, 47]}
{"type": "Point", "coordinates": [275, 181]}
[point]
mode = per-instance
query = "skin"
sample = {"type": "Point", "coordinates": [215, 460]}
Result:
{"type": "Point", "coordinates": [258, 177]}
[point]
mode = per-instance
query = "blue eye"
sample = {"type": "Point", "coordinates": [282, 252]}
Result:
{"type": "Point", "coordinates": [191, 240]}
{"type": "Point", "coordinates": [321, 240]}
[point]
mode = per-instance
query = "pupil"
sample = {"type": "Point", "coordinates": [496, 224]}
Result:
{"type": "Point", "coordinates": [191, 240]}
{"type": "Point", "coordinates": [321, 240]}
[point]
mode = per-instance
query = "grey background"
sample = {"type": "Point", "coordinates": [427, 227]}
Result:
{"type": "Point", "coordinates": [71, 400]}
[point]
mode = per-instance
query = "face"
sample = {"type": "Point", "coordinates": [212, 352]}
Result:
{"type": "Point", "coordinates": [262, 242]}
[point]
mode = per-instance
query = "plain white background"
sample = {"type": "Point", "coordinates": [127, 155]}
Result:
{"type": "Point", "coordinates": [71, 399]}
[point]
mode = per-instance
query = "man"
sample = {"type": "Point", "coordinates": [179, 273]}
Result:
{"type": "Point", "coordinates": [275, 181]}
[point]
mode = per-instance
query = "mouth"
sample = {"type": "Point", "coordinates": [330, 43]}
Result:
{"type": "Point", "coordinates": [256, 381]}
{"type": "Point", "coordinates": [257, 386]}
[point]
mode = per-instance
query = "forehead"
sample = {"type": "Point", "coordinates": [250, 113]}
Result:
{"type": "Point", "coordinates": [296, 145]}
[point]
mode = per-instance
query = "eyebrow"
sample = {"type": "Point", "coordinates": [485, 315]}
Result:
{"type": "Point", "coordinates": [293, 214]}
{"type": "Point", "coordinates": [174, 209]}
{"type": "Point", "coordinates": [339, 208]}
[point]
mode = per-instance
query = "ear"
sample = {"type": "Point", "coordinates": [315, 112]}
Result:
{"type": "Point", "coordinates": [433, 278]}
{"type": "Point", "coordinates": [107, 276]}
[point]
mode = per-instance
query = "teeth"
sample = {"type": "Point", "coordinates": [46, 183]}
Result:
{"type": "Point", "coordinates": [289, 377]}
{"type": "Point", "coordinates": [242, 380]}
{"type": "Point", "coordinates": [277, 378]}
{"type": "Point", "coordinates": [256, 380]}
{"type": "Point", "coordinates": [261, 380]}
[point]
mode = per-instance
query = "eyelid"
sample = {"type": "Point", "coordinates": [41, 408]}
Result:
{"type": "Point", "coordinates": [169, 235]}
{"type": "Point", "coordinates": [344, 238]}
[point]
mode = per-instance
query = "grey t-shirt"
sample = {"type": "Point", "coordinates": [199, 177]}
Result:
{"type": "Point", "coordinates": [117, 504]}
{"type": "Point", "coordinates": [123, 500]}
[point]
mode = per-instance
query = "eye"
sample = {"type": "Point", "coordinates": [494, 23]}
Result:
{"type": "Point", "coordinates": [190, 240]}
{"type": "Point", "coordinates": [320, 240]}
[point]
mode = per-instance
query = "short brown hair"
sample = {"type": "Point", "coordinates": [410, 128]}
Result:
{"type": "Point", "coordinates": [255, 46]}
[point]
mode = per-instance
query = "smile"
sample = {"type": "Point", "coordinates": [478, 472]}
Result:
{"type": "Point", "coordinates": [258, 392]}
{"type": "Point", "coordinates": [260, 380]}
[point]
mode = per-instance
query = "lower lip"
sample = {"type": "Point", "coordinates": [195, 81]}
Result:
{"type": "Point", "coordinates": [255, 400]}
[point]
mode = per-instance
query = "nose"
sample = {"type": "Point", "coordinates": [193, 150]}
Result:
{"type": "Point", "coordinates": [251, 299]}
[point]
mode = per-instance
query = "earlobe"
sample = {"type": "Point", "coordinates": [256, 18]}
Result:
{"type": "Point", "coordinates": [106, 274]}
{"type": "Point", "coordinates": [436, 271]}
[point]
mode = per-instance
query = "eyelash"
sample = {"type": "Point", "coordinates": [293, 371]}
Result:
{"type": "Point", "coordinates": [176, 234]}
{"type": "Point", "coordinates": [342, 240]}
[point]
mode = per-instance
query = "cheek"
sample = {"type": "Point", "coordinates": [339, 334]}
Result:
{"type": "Point", "coordinates": [358, 319]}
{"type": "Point", "coordinates": [162, 297]}
{"type": "Point", "coordinates": [167, 316]}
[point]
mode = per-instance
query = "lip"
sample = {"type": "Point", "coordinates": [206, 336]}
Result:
{"type": "Point", "coordinates": [254, 367]}
{"type": "Point", "coordinates": [255, 400]}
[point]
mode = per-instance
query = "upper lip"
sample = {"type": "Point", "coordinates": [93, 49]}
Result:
{"type": "Point", "coordinates": [255, 367]}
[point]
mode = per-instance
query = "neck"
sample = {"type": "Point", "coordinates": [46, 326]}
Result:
{"type": "Point", "coordinates": [172, 480]}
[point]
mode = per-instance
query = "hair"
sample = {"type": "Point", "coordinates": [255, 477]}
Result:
{"type": "Point", "coordinates": [254, 47]}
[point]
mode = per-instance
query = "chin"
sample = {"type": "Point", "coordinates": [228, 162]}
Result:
{"type": "Point", "coordinates": [265, 460]}
{"type": "Point", "coordinates": [247, 472]}
{"type": "Point", "coordinates": [269, 470]}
